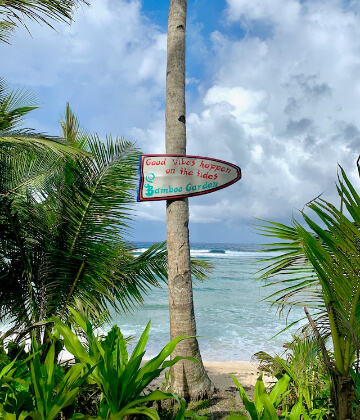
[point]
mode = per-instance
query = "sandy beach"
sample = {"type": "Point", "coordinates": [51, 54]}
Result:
{"type": "Point", "coordinates": [245, 372]}
{"type": "Point", "coordinates": [220, 374]}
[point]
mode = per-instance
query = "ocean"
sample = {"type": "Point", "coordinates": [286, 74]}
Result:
{"type": "Point", "coordinates": [232, 321]}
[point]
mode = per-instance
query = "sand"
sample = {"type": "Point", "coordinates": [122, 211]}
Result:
{"type": "Point", "coordinates": [220, 374]}
{"type": "Point", "coordinates": [245, 372]}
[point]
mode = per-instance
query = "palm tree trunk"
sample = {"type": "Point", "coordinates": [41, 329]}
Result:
{"type": "Point", "coordinates": [342, 391]}
{"type": "Point", "coordinates": [342, 395]}
{"type": "Point", "coordinates": [187, 379]}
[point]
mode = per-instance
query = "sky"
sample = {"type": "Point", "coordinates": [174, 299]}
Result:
{"type": "Point", "coordinates": [273, 86]}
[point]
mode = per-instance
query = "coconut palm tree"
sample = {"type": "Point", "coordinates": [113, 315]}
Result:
{"type": "Point", "coordinates": [187, 379]}
{"type": "Point", "coordinates": [63, 212]}
{"type": "Point", "coordinates": [319, 268]}
{"type": "Point", "coordinates": [15, 12]}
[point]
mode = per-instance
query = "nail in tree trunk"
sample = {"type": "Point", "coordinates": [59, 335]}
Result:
{"type": "Point", "coordinates": [187, 378]}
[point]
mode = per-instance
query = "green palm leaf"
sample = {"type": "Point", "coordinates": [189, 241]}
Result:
{"type": "Point", "coordinates": [63, 216]}
{"type": "Point", "coordinates": [14, 12]}
{"type": "Point", "coordinates": [288, 267]}
{"type": "Point", "coordinates": [319, 266]}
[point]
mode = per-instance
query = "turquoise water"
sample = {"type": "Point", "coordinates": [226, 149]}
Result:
{"type": "Point", "coordinates": [232, 322]}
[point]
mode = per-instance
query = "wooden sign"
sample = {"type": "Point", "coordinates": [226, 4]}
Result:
{"type": "Point", "coordinates": [164, 177]}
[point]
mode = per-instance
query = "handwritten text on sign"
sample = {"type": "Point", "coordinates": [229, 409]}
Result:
{"type": "Point", "coordinates": [172, 176]}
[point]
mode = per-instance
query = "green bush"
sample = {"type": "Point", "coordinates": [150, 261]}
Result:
{"type": "Point", "coordinates": [121, 378]}
{"type": "Point", "coordinates": [264, 406]}
{"type": "Point", "coordinates": [309, 382]}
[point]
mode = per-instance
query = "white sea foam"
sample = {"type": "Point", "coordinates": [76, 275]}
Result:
{"type": "Point", "coordinates": [209, 253]}
{"type": "Point", "coordinates": [140, 250]}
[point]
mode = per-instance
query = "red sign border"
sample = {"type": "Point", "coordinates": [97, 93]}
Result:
{"type": "Point", "coordinates": [141, 176]}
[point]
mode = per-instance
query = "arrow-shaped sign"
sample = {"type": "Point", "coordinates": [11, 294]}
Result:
{"type": "Point", "coordinates": [165, 177]}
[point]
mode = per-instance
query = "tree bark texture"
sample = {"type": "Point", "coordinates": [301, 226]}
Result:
{"type": "Point", "coordinates": [187, 378]}
{"type": "Point", "coordinates": [342, 387]}
{"type": "Point", "coordinates": [342, 394]}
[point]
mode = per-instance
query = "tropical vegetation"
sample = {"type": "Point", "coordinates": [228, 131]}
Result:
{"type": "Point", "coordinates": [318, 268]}
{"type": "Point", "coordinates": [264, 404]}
{"type": "Point", "coordinates": [308, 385]}
{"type": "Point", "coordinates": [62, 217]}
{"type": "Point", "coordinates": [121, 379]}
{"type": "Point", "coordinates": [34, 385]}
{"type": "Point", "coordinates": [65, 205]}
{"type": "Point", "coordinates": [16, 12]}
{"type": "Point", "coordinates": [38, 176]}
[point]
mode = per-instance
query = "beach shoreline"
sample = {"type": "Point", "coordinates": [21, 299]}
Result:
{"type": "Point", "coordinates": [245, 372]}
{"type": "Point", "coordinates": [220, 374]}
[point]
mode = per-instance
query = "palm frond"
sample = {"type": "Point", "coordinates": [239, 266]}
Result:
{"type": "Point", "coordinates": [320, 268]}
{"type": "Point", "coordinates": [92, 206]}
{"type": "Point", "coordinates": [6, 29]}
{"type": "Point", "coordinates": [200, 269]}
{"type": "Point", "coordinates": [15, 12]}
{"type": "Point", "coordinates": [288, 267]}
{"type": "Point", "coordinates": [14, 105]}
{"type": "Point", "coordinates": [71, 129]}
{"type": "Point", "coordinates": [63, 229]}
{"type": "Point", "coordinates": [28, 140]}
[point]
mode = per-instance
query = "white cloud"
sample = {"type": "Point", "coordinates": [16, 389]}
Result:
{"type": "Point", "coordinates": [283, 106]}
{"type": "Point", "coordinates": [110, 64]}
{"type": "Point", "coordinates": [152, 138]}
{"type": "Point", "coordinates": [280, 98]}
{"type": "Point", "coordinates": [246, 104]}
{"type": "Point", "coordinates": [153, 212]}
{"type": "Point", "coordinates": [99, 14]}
{"type": "Point", "coordinates": [284, 12]}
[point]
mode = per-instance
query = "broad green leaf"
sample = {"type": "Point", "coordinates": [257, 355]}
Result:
{"type": "Point", "coordinates": [169, 363]}
{"type": "Point", "coordinates": [65, 400]}
{"type": "Point", "coordinates": [35, 415]}
{"type": "Point", "coordinates": [128, 384]}
{"type": "Point", "coordinates": [71, 341]}
{"type": "Point", "coordinates": [140, 346]}
{"type": "Point", "coordinates": [154, 363]}
{"type": "Point", "coordinates": [8, 416]}
{"type": "Point", "coordinates": [258, 391]}
{"type": "Point", "coordinates": [279, 389]}
{"type": "Point", "coordinates": [78, 318]}
{"type": "Point", "coordinates": [182, 408]}
{"type": "Point", "coordinates": [153, 396]}
{"type": "Point", "coordinates": [7, 368]}
{"type": "Point", "coordinates": [49, 366]}
{"type": "Point", "coordinates": [23, 415]}
{"type": "Point", "coordinates": [296, 410]}
{"type": "Point", "coordinates": [73, 374]}
{"type": "Point", "coordinates": [141, 411]}
{"type": "Point", "coordinates": [268, 406]}
{"type": "Point", "coordinates": [249, 405]}
{"type": "Point", "coordinates": [36, 382]}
